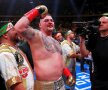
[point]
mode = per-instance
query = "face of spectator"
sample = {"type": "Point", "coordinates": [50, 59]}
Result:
{"type": "Point", "coordinates": [104, 24]}
{"type": "Point", "coordinates": [12, 35]}
{"type": "Point", "coordinates": [72, 35]}
{"type": "Point", "coordinates": [47, 24]}
{"type": "Point", "coordinates": [59, 37]}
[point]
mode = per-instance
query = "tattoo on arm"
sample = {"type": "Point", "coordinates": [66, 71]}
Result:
{"type": "Point", "coordinates": [29, 33]}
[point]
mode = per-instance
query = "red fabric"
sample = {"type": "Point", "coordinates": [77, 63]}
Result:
{"type": "Point", "coordinates": [66, 72]}
{"type": "Point", "coordinates": [32, 14]}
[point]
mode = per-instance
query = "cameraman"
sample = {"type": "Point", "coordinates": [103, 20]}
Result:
{"type": "Point", "coordinates": [98, 46]}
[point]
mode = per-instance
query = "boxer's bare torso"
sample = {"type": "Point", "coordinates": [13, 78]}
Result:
{"type": "Point", "coordinates": [47, 56]}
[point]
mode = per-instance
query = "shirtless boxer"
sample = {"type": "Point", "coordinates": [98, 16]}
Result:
{"type": "Point", "coordinates": [46, 51]}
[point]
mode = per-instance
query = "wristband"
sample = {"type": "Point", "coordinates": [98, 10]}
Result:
{"type": "Point", "coordinates": [32, 14]}
{"type": "Point", "coordinates": [66, 72]}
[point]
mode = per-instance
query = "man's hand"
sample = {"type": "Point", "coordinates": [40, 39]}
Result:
{"type": "Point", "coordinates": [70, 81]}
{"type": "Point", "coordinates": [39, 10]}
{"type": "Point", "coordinates": [42, 9]}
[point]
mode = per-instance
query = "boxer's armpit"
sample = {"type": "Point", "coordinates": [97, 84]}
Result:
{"type": "Point", "coordinates": [29, 33]}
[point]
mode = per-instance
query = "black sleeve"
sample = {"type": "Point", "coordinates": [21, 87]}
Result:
{"type": "Point", "coordinates": [91, 43]}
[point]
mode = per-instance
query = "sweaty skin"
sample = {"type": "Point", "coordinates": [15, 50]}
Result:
{"type": "Point", "coordinates": [46, 51]}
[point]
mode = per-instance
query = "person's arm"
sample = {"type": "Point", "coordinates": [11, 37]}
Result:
{"type": "Point", "coordinates": [9, 72]}
{"type": "Point", "coordinates": [75, 55]}
{"type": "Point", "coordinates": [83, 50]}
{"type": "Point", "coordinates": [22, 26]}
{"type": "Point", "coordinates": [18, 86]}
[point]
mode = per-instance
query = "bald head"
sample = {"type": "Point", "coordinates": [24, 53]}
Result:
{"type": "Point", "coordinates": [104, 18]}
{"type": "Point", "coordinates": [103, 27]}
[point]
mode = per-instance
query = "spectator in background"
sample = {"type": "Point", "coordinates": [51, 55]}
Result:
{"type": "Point", "coordinates": [58, 36]}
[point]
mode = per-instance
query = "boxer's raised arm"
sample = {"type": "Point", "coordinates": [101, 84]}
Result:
{"type": "Point", "coordinates": [22, 25]}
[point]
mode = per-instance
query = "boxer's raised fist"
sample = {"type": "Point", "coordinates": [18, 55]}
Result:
{"type": "Point", "coordinates": [42, 9]}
